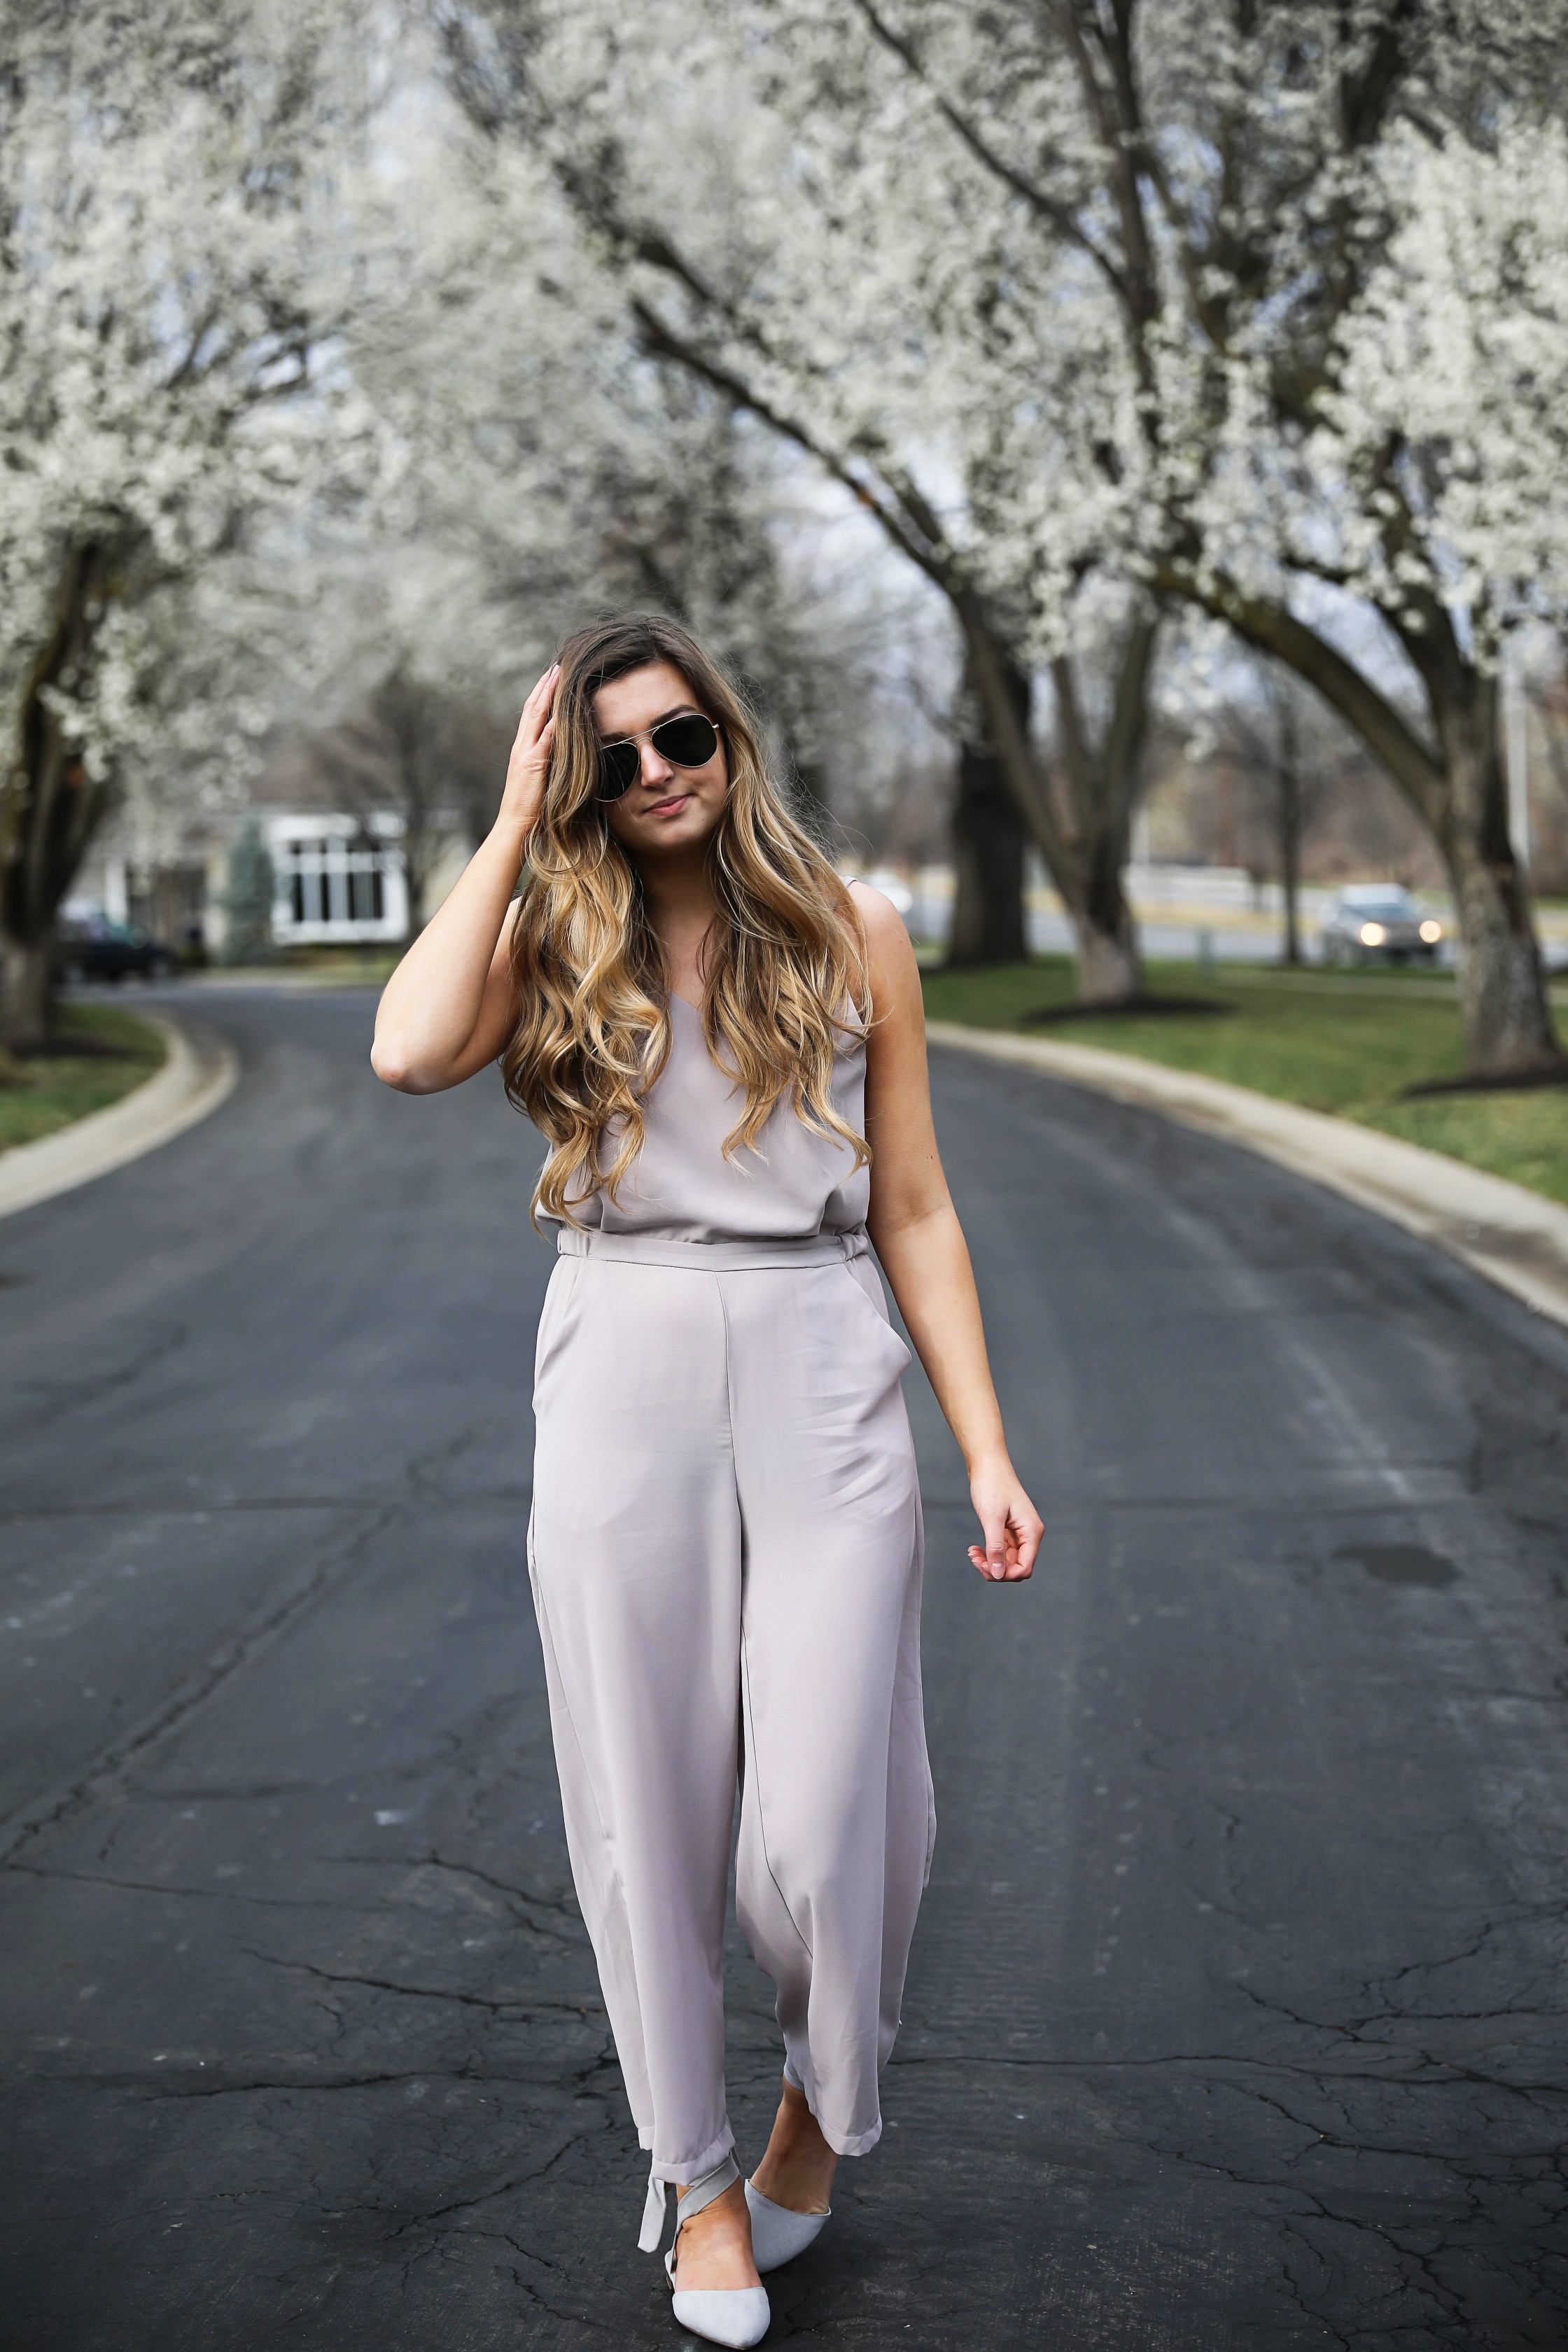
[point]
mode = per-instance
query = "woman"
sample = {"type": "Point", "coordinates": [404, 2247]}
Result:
{"type": "Point", "coordinates": [724, 1047]}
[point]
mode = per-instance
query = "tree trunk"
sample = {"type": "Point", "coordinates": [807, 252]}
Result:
{"type": "Point", "coordinates": [1110, 967]}
{"type": "Point", "coordinates": [25, 1004]}
{"type": "Point", "coordinates": [1289, 783]}
{"type": "Point", "coordinates": [1101, 789]}
{"type": "Point", "coordinates": [1503, 988]}
{"type": "Point", "coordinates": [1085, 857]}
{"type": "Point", "coordinates": [422, 846]}
{"type": "Point", "coordinates": [988, 841]}
{"type": "Point", "coordinates": [415, 880]}
{"type": "Point", "coordinates": [50, 806]}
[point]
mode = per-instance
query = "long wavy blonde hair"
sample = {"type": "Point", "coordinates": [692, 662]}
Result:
{"type": "Point", "coordinates": [785, 973]}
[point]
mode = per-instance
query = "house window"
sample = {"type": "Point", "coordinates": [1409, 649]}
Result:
{"type": "Point", "coordinates": [343, 886]}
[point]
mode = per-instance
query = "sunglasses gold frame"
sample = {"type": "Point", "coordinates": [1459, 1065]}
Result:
{"type": "Point", "coordinates": [651, 735]}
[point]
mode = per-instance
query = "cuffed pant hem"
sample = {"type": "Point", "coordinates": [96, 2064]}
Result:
{"type": "Point", "coordinates": [842, 2144]}
{"type": "Point", "coordinates": [684, 2169]}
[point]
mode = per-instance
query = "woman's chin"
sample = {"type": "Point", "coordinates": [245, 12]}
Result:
{"type": "Point", "coordinates": [684, 828]}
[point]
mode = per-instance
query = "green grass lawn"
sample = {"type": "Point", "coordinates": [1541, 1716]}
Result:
{"type": "Point", "coordinates": [49, 1090]}
{"type": "Point", "coordinates": [1351, 1051]}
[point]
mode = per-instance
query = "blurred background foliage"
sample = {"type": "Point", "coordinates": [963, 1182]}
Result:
{"type": "Point", "coordinates": [1095, 436]}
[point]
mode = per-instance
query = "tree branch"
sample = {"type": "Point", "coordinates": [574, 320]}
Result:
{"type": "Point", "coordinates": [1130, 715]}
{"type": "Point", "coordinates": [1075, 738]}
{"type": "Point", "coordinates": [909, 535]}
{"type": "Point", "coordinates": [1273, 628]}
{"type": "Point", "coordinates": [1061, 216]}
{"type": "Point", "coordinates": [1010, 741]}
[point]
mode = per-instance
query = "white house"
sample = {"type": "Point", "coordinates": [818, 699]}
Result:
{"type": "Point", "coordinates": [339, 873]}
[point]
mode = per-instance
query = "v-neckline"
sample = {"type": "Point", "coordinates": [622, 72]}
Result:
{"type": "Point", "coordinates": [686, 1002]}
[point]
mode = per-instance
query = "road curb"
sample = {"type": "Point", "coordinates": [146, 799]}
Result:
{"type": "Point", "coordinates": [198, 1073]}
{"type": "Point", "coordinates": [1514, 1238]}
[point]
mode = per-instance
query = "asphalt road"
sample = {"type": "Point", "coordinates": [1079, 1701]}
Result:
{"type": "Point", "coordinates": [1236, 2010]}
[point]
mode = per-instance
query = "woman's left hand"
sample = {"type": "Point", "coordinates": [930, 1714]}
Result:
{"type": "Point", "coordinates": [1009, 1522]}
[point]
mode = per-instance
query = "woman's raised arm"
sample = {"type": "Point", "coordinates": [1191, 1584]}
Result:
{"type": "Point", "coordinates": [448, 1010]}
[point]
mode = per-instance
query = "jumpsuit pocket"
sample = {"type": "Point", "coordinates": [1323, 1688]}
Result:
{"type": "Point", "coordinates": [868, 1291]}
{"type": "Point", "coordinates": [555, 1315]}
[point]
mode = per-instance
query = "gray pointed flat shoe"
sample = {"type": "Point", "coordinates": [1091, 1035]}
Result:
{"type": "Point", "coordinates": [778, 2233]}
{"type": "Point", "coordinates": [738, 2316]}
{"type": "Point", "coordinates": [734, 2316]}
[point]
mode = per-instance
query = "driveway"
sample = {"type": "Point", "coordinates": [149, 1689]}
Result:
{"type": "Point", "coordinates": [1235, 2011]}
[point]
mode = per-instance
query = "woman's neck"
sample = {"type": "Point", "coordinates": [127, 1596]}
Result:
{"type": "Point", "coordinates": [678, 896]}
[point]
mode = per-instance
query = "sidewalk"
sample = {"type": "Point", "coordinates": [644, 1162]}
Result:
{"type": "Point", "coordinates": [1511, 1236]}
{"type": "Point", "coordinates": [198, 1073]}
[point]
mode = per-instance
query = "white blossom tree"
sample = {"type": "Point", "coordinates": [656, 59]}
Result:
{"type": "Point", "coordinates": [172, 269]}
{"type": "Point", "coordinates": [1334, 240]}
{"type": "Point", "coordinates": [1336, 244]}
{"type": "Point", "coordinates": [1097, 304]}
{"type": "Point", "coordinates": [806, 261]}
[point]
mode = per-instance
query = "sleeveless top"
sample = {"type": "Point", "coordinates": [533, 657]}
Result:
{"type": "Point", "coordinates": [793, 1184]}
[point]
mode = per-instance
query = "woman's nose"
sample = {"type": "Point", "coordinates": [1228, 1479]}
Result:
{"type": "Point", "coordinates": [655, 770]}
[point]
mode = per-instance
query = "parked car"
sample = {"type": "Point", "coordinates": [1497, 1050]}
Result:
{"type": "Point", "coordinates": [95, 949]}
{"type": "Point", "coordinates": [1374, 921]}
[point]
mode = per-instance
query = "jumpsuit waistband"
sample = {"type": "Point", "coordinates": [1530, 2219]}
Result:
{"type": "Point", "coordinates": [714, 1257]}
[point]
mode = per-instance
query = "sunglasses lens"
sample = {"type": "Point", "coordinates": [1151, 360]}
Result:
{"type": "Point", "coordinates": [689, 742]}
{"type": "Point", "coordinates": [619, 765]}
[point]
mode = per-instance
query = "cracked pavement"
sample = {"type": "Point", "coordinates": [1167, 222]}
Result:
{"type": "Point", "coordinates": [1235, 2016]}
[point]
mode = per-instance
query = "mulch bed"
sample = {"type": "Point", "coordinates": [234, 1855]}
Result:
{"type": "Point", "coordinates": [1522, 1082]}
{"type": "Point", "coordinates": [1132, 1008]}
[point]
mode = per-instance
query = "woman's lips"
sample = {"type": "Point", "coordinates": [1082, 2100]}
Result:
{"type": "Point", "coordinates": [667, 807]}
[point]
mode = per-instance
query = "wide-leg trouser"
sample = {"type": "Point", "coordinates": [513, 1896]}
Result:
{"type": "Point", "coordinates": [725, 1549]}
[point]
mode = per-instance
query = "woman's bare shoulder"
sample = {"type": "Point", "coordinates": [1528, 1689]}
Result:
{"type": "Point", "coordinates": [883, 924]}
{"type": "Point", "coordinates": [889, 953]}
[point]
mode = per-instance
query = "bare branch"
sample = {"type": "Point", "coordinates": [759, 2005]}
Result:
{"type": "Point", "coordinates": [1050, 208]}
{"type": "Point", "coordinates": [1270, 625]}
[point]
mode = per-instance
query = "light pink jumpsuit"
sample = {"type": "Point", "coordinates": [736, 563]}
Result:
{"type": "Point", "coordinates": [725, 1549]}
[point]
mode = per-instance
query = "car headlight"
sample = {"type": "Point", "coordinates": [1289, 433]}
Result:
{"type": "Point", "coordinates": [1372, 935]}
{"type": "Point", "coordinates": [1431, 932]}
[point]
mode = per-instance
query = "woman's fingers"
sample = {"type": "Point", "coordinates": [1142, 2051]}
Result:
{"type": "Point", "coordinates": [535, 708]}
{"type": "Point", "coordinates": [1026, 1534]}
{"type": "Point", "coordinates": [529, 762]}
{"type": "Point", "coordinates": [990, 1555]}
{"type": "Point", "coordinates": [1011, 1531]}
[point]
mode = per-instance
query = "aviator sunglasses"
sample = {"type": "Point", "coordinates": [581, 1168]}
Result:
{"type": "Point", "coordinates": [687, 741]}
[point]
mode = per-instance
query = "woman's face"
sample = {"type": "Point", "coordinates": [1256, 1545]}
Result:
{"type": "Point", "coordinates": [668, 808]}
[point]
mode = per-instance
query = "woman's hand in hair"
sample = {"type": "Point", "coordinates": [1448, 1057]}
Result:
{"type": "Point", "coordinates": [529, 762]}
